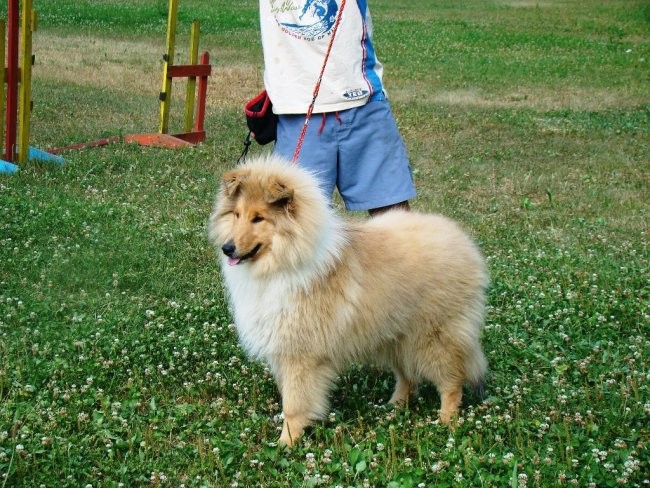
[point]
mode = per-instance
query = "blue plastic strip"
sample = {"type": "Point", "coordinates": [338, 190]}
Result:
{"type": "Point", "coordinates": [41, 155]}
{"type": "Point", "coordinates": [8, 168]}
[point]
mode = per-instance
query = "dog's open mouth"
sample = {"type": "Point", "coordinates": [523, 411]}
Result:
{"type": "Point", "coordinates": [233, 260]}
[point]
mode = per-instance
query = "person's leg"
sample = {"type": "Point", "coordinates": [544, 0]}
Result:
{"type": "Point", "coordinates": [373, 168]}
{"type": "Point", "coordinates": [319, 148]}
{"type": "Point", "coordinates": [397, 206]}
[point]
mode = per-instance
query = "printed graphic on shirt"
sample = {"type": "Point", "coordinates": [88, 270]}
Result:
{"type": "Point", "coordinates": [310, 20]}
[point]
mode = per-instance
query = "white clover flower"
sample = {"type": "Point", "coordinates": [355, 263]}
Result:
{"type": "Point", "coordinates": [522, 480]}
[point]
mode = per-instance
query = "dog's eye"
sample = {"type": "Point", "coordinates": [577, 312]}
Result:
{"type": "Point", "coordinates": [256, 219]}
{"type": "Point", "coordinates": [236, 214]}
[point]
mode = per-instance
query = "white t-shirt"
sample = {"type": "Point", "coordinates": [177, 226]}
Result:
{"type": "Point", "coordinates": [295, 37]}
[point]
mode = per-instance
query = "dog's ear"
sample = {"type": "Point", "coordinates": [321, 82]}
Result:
{"type": "Point", "coordinates": [232, 180]}
{"type": "Point", "coordinates": [279, 194]}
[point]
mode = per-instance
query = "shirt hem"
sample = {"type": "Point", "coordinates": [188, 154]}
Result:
{"type": "Point", "coordinates": [318, 108]}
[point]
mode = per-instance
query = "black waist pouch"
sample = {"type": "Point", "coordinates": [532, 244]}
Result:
{"type": "Point", "coordinates": [260, 119]}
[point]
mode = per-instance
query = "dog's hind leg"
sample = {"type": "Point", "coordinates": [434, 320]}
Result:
{"type": "Point", "coordinates": [392, 356]}
{"type": "Point", "coordinates": [304, 388]}
{"type": "Point", "coordinates": [441, 362]}
{"type": "Point", "coordinates": [450, 400]}
{"type": "Point", "coordinates": [403, 387]}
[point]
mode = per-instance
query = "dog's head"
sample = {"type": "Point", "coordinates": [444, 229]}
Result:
{"type": "Point", "coordinates": [249, 207]}
{"type": "Point", "coordinates": [270, 216]}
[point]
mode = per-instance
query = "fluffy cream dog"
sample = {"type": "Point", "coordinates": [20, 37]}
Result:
{"type": "Point", "coordinates": [312, 292]}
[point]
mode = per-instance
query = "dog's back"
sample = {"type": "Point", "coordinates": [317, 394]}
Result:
{"type": "Point", "coordinates": [426, 278]}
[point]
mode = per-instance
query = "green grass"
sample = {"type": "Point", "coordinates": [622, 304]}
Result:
{"type": "Point", "coordinates": [526, 121]}
{"type": "Point", "coordinates": [143, 15]}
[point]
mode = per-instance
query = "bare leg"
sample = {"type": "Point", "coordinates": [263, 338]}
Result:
{"type": "Point", "coordinates": [402, 206]}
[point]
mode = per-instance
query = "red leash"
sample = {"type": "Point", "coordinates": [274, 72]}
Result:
{"type": "Point", "coordinates": [301, 139]}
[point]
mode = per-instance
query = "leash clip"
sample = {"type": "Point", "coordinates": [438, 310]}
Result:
{"type": "Point", "coordinates": [247, 145]}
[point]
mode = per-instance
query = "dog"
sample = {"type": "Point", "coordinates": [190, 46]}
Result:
{"type": "Point", "coordinates": [312, 292]}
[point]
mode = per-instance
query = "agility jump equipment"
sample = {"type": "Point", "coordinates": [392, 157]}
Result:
{"type": "Point", "coordinates": [16, 99]}
{"type": "Point", "coordinates": [193, 130]}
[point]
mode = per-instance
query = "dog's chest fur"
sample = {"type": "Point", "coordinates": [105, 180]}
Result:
{"type": "Point", "coordinates": [265, 311]}
{"type": "Point", "coordinates": [256, 310]}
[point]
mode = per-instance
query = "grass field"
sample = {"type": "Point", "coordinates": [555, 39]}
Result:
{"type": "Point", "coordinates": [528, 121]}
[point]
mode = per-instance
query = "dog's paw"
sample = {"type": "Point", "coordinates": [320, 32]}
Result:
{"type": "Point", "coordinates": [285, 441]}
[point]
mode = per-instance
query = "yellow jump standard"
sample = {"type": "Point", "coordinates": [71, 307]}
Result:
{"type": "Point", "coordinates": [194, 131]}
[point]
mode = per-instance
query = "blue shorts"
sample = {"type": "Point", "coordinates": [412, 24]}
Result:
{"type": "Point", "coordinates": [359, 151]}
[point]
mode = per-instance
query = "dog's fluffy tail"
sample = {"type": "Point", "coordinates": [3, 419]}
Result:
{"type": "Point", "coordinates": [476, 368]}
{"type": "Point", "coordinates": [478, 389]}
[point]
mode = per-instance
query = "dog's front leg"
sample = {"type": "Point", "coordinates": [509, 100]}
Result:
{"type": "Point", "coordinates": [292, 428]}
{"type": "Point", "coordinates": [304, 385]}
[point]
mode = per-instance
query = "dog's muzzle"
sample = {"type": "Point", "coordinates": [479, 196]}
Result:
{"type": "Point", "coordinates": [230, 250]}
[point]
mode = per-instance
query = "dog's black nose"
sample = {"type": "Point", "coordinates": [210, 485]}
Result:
{"type": "Point", "coordinates": [229, 248]}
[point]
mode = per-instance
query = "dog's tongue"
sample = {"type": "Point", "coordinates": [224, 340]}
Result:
{"type": "Point", "coordinates": [233, 261]}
